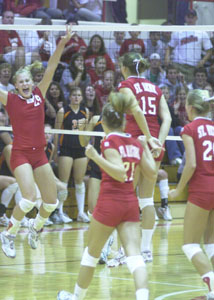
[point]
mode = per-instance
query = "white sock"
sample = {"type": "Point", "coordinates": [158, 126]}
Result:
{"type": "Point", "coordinates": [142, 294]}
{"type": "Point", "coordinates": [79, 293]}
{"type": "Point", "coordinates": [14, 225]}
{"type": "Point", "coordinates": [208, 278]}
{"type": "Point", "coordinates": [80, 197]}
{"type": "Point", "coordinates": [8, 193]}
{"type": "Point", "coordinates": [146, 239]}
{"type": "Point", "coordinates": [164, 188]}
{"type": "Point", "coordinates": [60, 207]}
{"type": "Point", "coordinates": [39, 222]}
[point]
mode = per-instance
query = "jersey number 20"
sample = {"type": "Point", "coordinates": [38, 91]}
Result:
{"type": "Point", "coordinates": [208, 154]}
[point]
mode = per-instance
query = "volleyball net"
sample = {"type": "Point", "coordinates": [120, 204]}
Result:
{"type": "Point", "coordinates": [40, 41]}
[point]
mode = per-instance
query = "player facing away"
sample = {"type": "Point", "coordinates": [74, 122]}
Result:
{"type": "Point", "coordinates": [117, 205]}
{"type": "Point", "coordinates": [198, 138]}
{"type": "Point", "coordinates": [150, 101]}
{"type": "Point", "coordinates": [28, 158]}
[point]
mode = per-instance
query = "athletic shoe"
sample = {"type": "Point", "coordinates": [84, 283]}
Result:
{"type": "Point", "coordinates": [4, 221]}
{"type": "Point", "coordinates": [118, 260]}
{"type": "Point", "coordinates": [165, 213]}
{"type": "Point", "coordinates": [106, 251]}
{"type": "Point", "coordinates": [33, 235]}
{"type": "Point", "coordinates": [24, 222]}
{"type": "Point", "coordinates": [103, 258]}
{"type": "Point", "coordinates": [147, 256]}
{"type": "Point", "coordinates": [55, 218]}
{"type": "Point", "coordinates": [48, 222]}
{"type": "Point", "coordinates": [63, 295]}
{"type": "Point", "coordinates": [210, 296]}
{"type": "Point", "coordinates": [83, 218]}
{"type": "Point", "coordinates": [8, 246]}
{"type": "Point", "coordinates": [65, 218]}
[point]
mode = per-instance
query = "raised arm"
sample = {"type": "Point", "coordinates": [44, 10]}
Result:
{"type": "Point", "coordinates": [53, 62]}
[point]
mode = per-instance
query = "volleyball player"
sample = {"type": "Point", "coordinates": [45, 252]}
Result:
{"type": "Point", "coordinates": [117, 205]}
{"type": "Point", "coordinates": [148, 99]}
{"type": "Point", "coordinates": [72, 154]}
{"type": "Point", "coordinates": [28, 159]}
{"type": "Point", "coordinates": [198, 138]}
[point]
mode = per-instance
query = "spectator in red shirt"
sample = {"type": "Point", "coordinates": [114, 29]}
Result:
{"type": "Point", "coordinates": [74, 45]}
{"type": "Point", "coordinates": [97, 48]}
{"type": "Point", "coordinates": [97, 74]}
{"type": "Point", "coordinates": [134, 44]}
{"type": "Point", "coordinates": [11, 46]}
{"type": "Point", "coordinates": [103, 91]}
{"type": "Point", "coordinates": [33, 8]}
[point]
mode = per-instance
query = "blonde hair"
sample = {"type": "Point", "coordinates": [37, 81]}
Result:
{"type": "Point", "coordinates": [120, 102]}
{"type": "Point", "coordinates": [27, 69]}
{"type": "Point", "coordinates": [200, 100]}
{"type": "Point", "coordinates": [134, 62]}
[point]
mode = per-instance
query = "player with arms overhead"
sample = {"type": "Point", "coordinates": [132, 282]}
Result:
{"type": "Point", "coordinates": [28, 158]}
{"type": "Point", "coordinates": [198, 138]}
{"type": "Point", "coordinates": [117, 205]}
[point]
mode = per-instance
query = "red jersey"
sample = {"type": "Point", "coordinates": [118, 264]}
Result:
{"type": "Point", "coordinates": [131, 151]}
{"type": "Point", "coordinates": [202, 132]}
{"type": "Point", "coordinates": [9, 39]}
{"type": "Point", "coordinates": [130, 45]}
{"type": "Point", "coordinates": [89, 61]}
{"type": "Point", "coordinates": [27, 120]}
{"type": "Point", "coordinates": [148, 96]}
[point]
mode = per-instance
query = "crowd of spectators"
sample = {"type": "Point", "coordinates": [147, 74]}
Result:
{"type": "Point", "coordinates": [179, 62]}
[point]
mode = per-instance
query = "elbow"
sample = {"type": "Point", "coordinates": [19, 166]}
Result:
{"type": "Point", "coordinates": [192, 167]}
{"type": "Point", "coordinates": [122, 176]}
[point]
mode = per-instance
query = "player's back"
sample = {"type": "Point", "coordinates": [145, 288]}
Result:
{"type": "Point", "coordinates": [148, 96]}
{"type": "Point", "coordinates": [202, 132]}
{"type": "Point", "coordinates": [131, 151]}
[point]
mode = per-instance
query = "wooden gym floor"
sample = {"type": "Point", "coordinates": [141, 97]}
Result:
{"type": "Point", "coordinates": [40, 274]}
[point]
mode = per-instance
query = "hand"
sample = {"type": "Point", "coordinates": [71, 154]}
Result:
{"type": "Point", "coordinates": [69, 34]}
{"type": "Point", "coordinates": [156, 146]}
{"type": "Point", "coordinates": [81, 124]}
{"type": "Point", "coordinates": [173, 194]}
{"type": "Point", "coordinates": [90, 152]}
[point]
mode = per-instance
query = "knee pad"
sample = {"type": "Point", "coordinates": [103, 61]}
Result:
{"type": "Point", "coordinates": [134, 262]}
{"type": "Point", "coordinates": [88, 260]}
{"type": "Point", "coordinates": [62, 195]}
{"type": "Point", "coordinates": [50, 207]}
{"type": "Point", "coordinates": [26, 205]}
{"type": "Point", "coordinates": [80, 188]}
{"type": "Point", "coordinates": [143, 202]}
{"type": "Point", "coordinates": [191, 249]}
{"type": "Point", "coordinates": [209, 249]}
